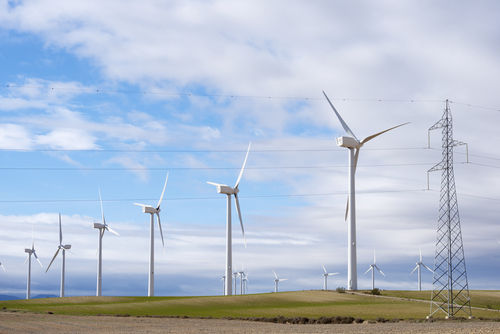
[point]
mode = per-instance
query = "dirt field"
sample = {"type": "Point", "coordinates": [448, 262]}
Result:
{"type": "Point", "coordinates": [50, 323]}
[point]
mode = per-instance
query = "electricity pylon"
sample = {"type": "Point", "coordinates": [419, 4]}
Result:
{"type": "Point", "coordinates": [450, 292]}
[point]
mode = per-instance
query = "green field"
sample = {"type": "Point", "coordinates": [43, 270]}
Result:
{"type": "Point", "coordinates": [312, 304]}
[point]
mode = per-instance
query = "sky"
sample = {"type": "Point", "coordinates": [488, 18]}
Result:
{"type": "Point", "coordinates": [115, 95]}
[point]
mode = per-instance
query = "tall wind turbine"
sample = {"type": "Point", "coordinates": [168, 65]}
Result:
{"type": "Point", "coordinates": [326, 274]}
{"type": "Point", "coordinates": [63, 263]}
{"type": "Point", "coordinates": [102, 228]}
{"type": "Point", "coordinates": [354, 145]}
{"type": "Point", "coordinates": [223, 280]}
{"type": "Point", "coordinates": [372, 268]}
{"type": "Point", "coordinates": [152, 210]}
{"type": "Point", "coordinates": [277, 280]}
{"type": "Point", "coordinates": [420, 263]}
{"type": "Point", "coordinates": [225, 189]}
{"type": "Point", "coordinates": [30, 251]}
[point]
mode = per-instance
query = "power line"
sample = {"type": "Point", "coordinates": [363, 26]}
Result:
{"type": "Point", "coordinates": [199, 168]}
{"type": "Point", "coordinates": [93, 90]}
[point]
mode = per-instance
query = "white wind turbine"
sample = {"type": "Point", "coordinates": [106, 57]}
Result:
{"type": "Point", "coordinates": [102, 228]}
{"type": "Point", "coordinates": [354, 145]}
{"type": "Point", "coordinates": [326, 274]}
{"type": "Point", "coordinates": [372, 268]}
{"type": "Point", "coordinates": [30, 251]}
{"type": "Point", "coordinates": [225, 189]}
{"type": "Point", "coordinates": [420, 263]}
{"type": "Point", "coordinates": [223, 280]}
{"type": "Point", "coordinates": [152, 210]}
{"type": "Point", "coordinates": [277, 280]}
{"type": "Point", "coordinates": [63, 263]}
{"type": "Point", "coordinates": [236, 274]}
{"type": "Point", "coordinates": [245, 282]}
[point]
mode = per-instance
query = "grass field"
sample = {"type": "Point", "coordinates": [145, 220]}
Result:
{"type": "Point", "coordinates": [313, 304]}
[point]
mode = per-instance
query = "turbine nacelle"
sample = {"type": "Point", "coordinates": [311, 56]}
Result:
{"type": "Point", "coordinates": [348, 142]}
{"type": "Point", "coordinates": [150, 209]}
{"type": "Point", "coordinates": [64, 246]}
{"type": "Point", "coordinates": [28, 250]}
{"type": "Point", "coordinates": [225, 189]}
{"type": "Point", "coordinates": [98, 225]}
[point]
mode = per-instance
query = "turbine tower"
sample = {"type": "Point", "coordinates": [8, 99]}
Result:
{"type": "Point", "coordinates": [30, 251]}
{"type": "Point", "coordinates": [225, 189]}
{"type": "Point", "coordinates": [450, 292]}
{"type": "Point", "coordinates": [63, 263]}
{"type": "Point", "coordinates": [354, 145]}
{"type": "Point", "coordinates": [152, 210]}
{"type": "Point", "coordinates": [277, 280]}
{"type": "Point", "coordinates": [419, 264]}
{"type": "Point", "coordinates": [372, 266]}
{"type": "Point", "coordinates": [102, 228]}
{"type": "Point", "coordinates": [326, 274]}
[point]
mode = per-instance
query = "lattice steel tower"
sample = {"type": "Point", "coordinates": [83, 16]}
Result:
{"type": "Point", "coordinates": [450, 292]}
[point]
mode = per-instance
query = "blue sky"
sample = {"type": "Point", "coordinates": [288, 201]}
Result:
{"type": "Point", "coordinates": [214, 76]}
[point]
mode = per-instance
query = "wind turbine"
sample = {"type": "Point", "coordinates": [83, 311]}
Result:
{"type": "Point", "coordinates": [64, 248]}
{"type": "Point", "coordinates": [354, 145]}
{"type": "Point", "coordinates": [236, 274]}
{"type": "Point", "coordinates": [151, 210]}
{"type": "Point", "coordinates": [223, 280]}
{"type": "Point", "coordinates": [277, 280]}
{"type": "Point", "coordinates": [225, 189]}
{"type": "Point", "coordinates": [102, 228]}
{"type": "Point", "coordinates": [420, 263]}
{"type": "Point", "coordinates": [326, 274]}
{"type": "Point", "coordinates": [372, 266]}
{"type": "Point", "coordinates": [245, 281]}
{"type": "Point", "coordinates": [30, 251]}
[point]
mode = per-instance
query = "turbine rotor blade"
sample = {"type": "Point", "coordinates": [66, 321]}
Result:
{"type": "Point", "coordinates": [378, 134]}
{"type": "Point", "coordinates": [368, 270]}
{"type": "Point", "coordinates": [326, 272]}
{"type": "Point", "coordinates": [215, 184]}
{"type": "Point", "coordinates": [344, 125]}
{"type": "Point", "coordinates": [143, 205]}
{"type": "Point", "coordinates": [110, 230]}
{"type": "Point", "coordinates": [55, 255]}
{"type": "Point", "coordinates": [420, 250]}
{"type": "Point", "coordinates": [242, 168]}
{"type": "Point", "coordinates": [428, 268]}
{"type": "Point", "coordinates": [330, 274]}
{"type": "Point", "coordinates": [1, 265]}
{"type": "Point", "coordinates": [161, 198]}
{"type": "Point", "coordinates": [274, 273]}
{"type": "Point", "coordinates": [36, 257]}
{"type": "Point", "coordinates": [283, 279]}
{"type": "Point", "coordinates": [347, 207]}
{"type": "Point", "coordinates": [26, 259]}
{"type": "Point", "coordinates": [237, 203]}
{"type": "Point", "coordinates": [414, 269]}
{"type": "Point", "coordinates": [161, 232]}
{"type": "Point", "coordinates": [380, 270]}
{"type": "Point", "coordinates": [102, 210]}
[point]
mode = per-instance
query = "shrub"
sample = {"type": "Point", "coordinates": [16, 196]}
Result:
{"type": "Point", "coordinates": [375, 291]}
{"type": "Point", "coordinates": [358, 320]}
{"type": "Point", "coordinates": [340, 289]}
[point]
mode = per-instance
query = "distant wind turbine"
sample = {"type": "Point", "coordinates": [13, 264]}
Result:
{"type": "Point", "coordinates": [63, 248]}
{"type": "Point", "coordinates": [326, 274]}
{"type": "Point", "coordinates": [102, 228]}
{"type": "Point", "coordinates": [30, 251]}
{"type": "Point", "coordinates": [236, 274]}
{"type": "Point", "coordinates": [420, 263]}
{"type": "Point", "coordinates": [354, 146]}
{"type": "Point", "coordinates": [152, 210]}
{"type": "Point", "coordinates": [245, 282]}
{"type": "Point", "coordinates": [277, 280]}
{"type": "Point", "coordinates": [372, 268]}
{"type": "Point", "coordinates": [223, 280]}
{"type": "Point", "coordinates": [225, 189]}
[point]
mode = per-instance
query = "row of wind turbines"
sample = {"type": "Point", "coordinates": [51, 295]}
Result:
{"type": "Point", "coordinates": [350, 142]}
